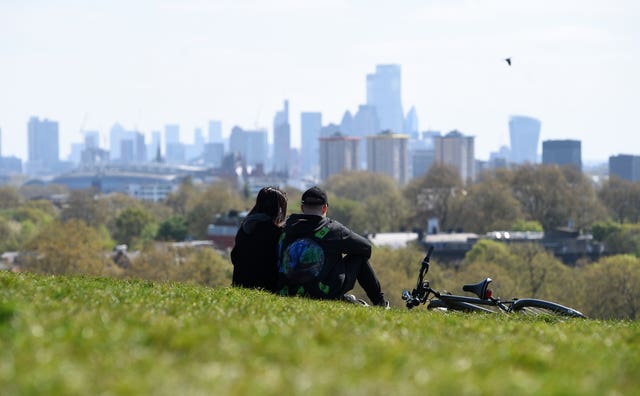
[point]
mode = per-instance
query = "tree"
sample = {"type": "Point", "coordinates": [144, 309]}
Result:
{"type": "Point", "coordinates": [173, 229]}
{"type": "Point", "coordinates": [84, 205]}
{"type": "Point", "coordinates": [70, 247]}
{"type": "Point", "coordinates": [489, 206]}
{"type": "Point", "coordinates": [9, 197]}
{"type": "Point", "coordinates": [130, 224]}
{"type": "Point", "coordinates": [585, 207]}
{"type": "Point", "coordinates": [182, 200]}
{"type": "Point", "coordinates": [217, 199]}
{"type": "Point", "coordinates": [544, 194]}
{"type": "Point", "coordinates": [613, 291]}
{"type": "Point", "coordinates": [382, 206]}
{"type": "Point", "coordinates": [439, 194]}
{"type": "Point", "coordinates": [622, 199]}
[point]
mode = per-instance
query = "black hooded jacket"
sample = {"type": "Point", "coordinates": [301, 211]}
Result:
{"type": "Point", "coordinates": [255, 253]}
{"type": "Point", "coordinates": [336, 241]}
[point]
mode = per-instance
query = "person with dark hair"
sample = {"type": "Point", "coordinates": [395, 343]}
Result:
{"type": "Point", "coordinates": [255, 253]}
{"type": "Point", "coordinates": [321, 258]}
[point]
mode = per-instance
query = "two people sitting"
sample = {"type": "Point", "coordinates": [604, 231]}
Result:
{"type": "Point", "coordinates": [309, 254]}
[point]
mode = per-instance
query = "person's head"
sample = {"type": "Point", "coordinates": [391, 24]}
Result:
{"type": "Point", "coordinates": [273, 202]}
{"type": "Point", "coordinates": [314, 201]}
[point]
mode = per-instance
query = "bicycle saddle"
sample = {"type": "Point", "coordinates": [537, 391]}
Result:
{"type": "Point", "coordinates": [479, 289]}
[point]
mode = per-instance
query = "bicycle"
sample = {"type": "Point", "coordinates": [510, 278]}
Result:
{"type": "Point", "coordinates": [484, 302]}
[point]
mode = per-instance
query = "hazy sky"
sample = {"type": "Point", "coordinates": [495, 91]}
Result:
{"type": "Point", "coordinates": [88, 64]}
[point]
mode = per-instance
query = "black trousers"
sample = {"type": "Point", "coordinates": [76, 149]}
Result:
{"type": "Point", "coordinates": [358, 268]}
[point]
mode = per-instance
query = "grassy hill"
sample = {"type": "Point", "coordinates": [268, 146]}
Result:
{"type": "Point", "coordinates": [79, 335]}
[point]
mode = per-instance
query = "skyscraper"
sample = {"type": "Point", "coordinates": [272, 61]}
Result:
{"type": "Point", "coordinates": [456, 150]}
{"type": "Point", "coordinates": [562, 152]}
{"type": "Point", "coordinates": [174, 150]}
{"type": "Point", "coordinates": [338, 153]}
{"type": "Point", "coordinates": [215, 131]}
{"type": "Point", "coordinates": [387, 153]}
{"type": "Point", "coordinates": [625, 166]}
{"type": "Point", "coordinates": [524, 133]}
{"type": "Point", "coordinates": [384, 93]}
{"type": "Point", "coordinates": [43, 144]}
{"type": "Point", "coordinates": [310, 125]}
{"type": "Point", "coordinates": [365, 123]}
{"type": "Point", "coordinates": [250, 145]}
{"type": "Point", "coordinates": [281, 140]}
{"type": "Point", "coordinates": [411, 127]}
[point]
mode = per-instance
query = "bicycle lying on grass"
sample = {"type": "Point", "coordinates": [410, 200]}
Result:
{"type": "Point", "coordinates": [484, 302]}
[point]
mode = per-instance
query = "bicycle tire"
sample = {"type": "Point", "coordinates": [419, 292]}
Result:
{"type": "Point", "coordinates": [532, 306]}
{"type": "Point", "coordinates": [457, 306]}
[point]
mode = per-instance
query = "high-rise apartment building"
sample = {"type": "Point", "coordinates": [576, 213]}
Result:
{"type": "Point", "coordinates": [562, 152]}
{"type": "Point", "coordinates": [310, 125]}
{"type": "Point", "coordinates": [43, 144]}
{"type": "Point", "coordinates": [338, 153]}
{"type": "Point", "coordinates": [456, 150]}
{"type": "Point", "coordinates": [281, 140]}
{"type": "Point", "coordinates": [625, 166]}
{"type": "Point", "coordinates": [250, 145]}
{"type": "Point", "coordinates": [384, 93]}
{"type": "Point", "coordinates": [387, 153]}
{"type": "Point", "coordinates": [524, 133]}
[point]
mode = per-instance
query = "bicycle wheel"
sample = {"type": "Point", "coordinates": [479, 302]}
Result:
{"type": "Point", "coordinates": [456, 306]}
{"type": "Point", "coordinates": [532, 306]}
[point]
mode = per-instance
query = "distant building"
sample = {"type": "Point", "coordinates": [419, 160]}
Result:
{"type": "Point", "coordinates": [346, 125]}
{"type": "Point", "coordinates": [250, 145]}
{"type": "Point", "coordinates": [411, 126]}
{"type": "Point", "coordinates": [310, 125]}
{"type": "Point", "coordinates": [213, 154]}
{"type": "Point", "coordinates": [524, 133]}
{"type": "Point", "coordinates": [215, 131]}
{"type": "Point", "coordinates": [43, 143]}
{"type": "Point", "coordinates": [385, 95]}
{"type": "Point", "coordinates": [281, 140]}
{"type": "Point", "coordinates": [338, 153]}
{"type": "Point", "coordinates": [388, 153]}
{"type": "Point", "coordinates": [456, 150]}
{"type": "Point", "coordinates": [562, 152]}
{"type": "Point", "coordinates": [625, 166]}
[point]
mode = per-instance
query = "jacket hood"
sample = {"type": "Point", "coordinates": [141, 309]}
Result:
{"type": "Point", "coordinates": [251, 222]}
{"type": "Point", "coordinates": [302, 224]}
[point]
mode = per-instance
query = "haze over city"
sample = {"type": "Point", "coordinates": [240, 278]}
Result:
{"type": "Point", "coordinates": [150, 63]}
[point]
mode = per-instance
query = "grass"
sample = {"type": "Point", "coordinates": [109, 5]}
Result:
{"type": "Point", "coordinates": [80, 335]}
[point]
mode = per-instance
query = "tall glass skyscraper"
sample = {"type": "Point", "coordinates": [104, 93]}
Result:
{"type": "Point", "coordinates": [384, 93]}
{"type": "Point", "coordinates": [524, 133]}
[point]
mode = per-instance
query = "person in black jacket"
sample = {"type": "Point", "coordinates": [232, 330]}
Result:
{"type": "Point", "coordinates": [255, 253]}
{"type": "Point", "coordinates": [344, 255]}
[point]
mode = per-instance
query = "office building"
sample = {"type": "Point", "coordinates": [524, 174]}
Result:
{"type": "Point", "coordinates": [215, 131]}
{"type": "Point", "coordinates": [251, 145]}
{"type": "Point", "coordinates": [43, 145]}
{"type": "Point", "coordinates": [310, 125]}
{"type": "Point", "coordinates": [456, 150]}
{"type": "Point", "coordinates": [524, 133]}
{"type": "Point", "coordinates": [625, 166]}
{"type": "Point", "coordinates": [411, 126]}
{"type": "Point", "coordinates": [346, 125]}
{"type": "Point", "coordinates": [281, 140]}
{"type": "Point", "coordinates": [384, 93]}
{"type": "Point", "coordinates": [562, 152]}
{"type": "Point", "coordinates": [338, 153]}
{"type": "Point", "coordinates": [387, 153]}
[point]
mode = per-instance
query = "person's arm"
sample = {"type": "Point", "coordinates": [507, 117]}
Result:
{"type": "Point", "coordinates": [352, 243]}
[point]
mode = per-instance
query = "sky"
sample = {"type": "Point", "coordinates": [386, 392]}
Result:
{"type": "Point", "coordinates": [144, 64]}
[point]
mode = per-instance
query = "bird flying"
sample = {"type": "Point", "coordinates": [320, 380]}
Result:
{"type": "Point", "coordinates": [508, 60]}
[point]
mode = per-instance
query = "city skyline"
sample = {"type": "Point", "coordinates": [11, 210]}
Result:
{"type": "Point", "coordinates": [149, 64]}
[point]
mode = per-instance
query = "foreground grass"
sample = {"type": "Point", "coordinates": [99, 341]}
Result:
{"type": "Point", "coordinates": [76, 335]}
